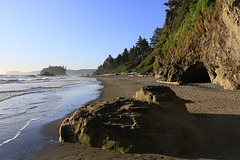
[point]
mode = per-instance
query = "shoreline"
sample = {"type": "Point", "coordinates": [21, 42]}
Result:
{"type": "Point", "coordinates": [51, 129]}
{"type": "Point", "coordinates": [214, 109]}
{"type": "Point", "coordinates": [37, 135]}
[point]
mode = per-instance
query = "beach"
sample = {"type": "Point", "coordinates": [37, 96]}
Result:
{"type": "Point", "coordinates": [217, 114]}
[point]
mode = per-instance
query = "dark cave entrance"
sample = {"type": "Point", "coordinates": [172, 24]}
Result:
{"type": "Point", "coordinates": [196, 73]}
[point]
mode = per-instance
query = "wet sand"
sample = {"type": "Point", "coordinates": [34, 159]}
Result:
{"type": "Point", "coordinates": [217, 114]}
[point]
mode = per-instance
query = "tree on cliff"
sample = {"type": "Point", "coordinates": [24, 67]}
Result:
{"type": "Point", "coordinates": [111, 63]}
{"type": "Point", "coordinates": [176, 13]}
{"type": "Point", "coordinates": [140, 50]}
{"type": "Point", "coordinates": [125, 55]}
{"type": "Point", "coordinates": [155, 37]}
{"type": "Point", "coordinates": [130, 58]}
{"type": "Point", "coordinates": [143, 47]}
{"type": "Point", "coordinates": [108, 63]}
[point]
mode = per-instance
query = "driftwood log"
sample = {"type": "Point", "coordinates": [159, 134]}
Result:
{"type": "Point", "coordinates": [173, 83]}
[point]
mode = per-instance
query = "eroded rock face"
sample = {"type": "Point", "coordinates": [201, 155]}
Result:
{"type": "Point", "coordinates": [226, 67]}
{"type": "Point", "coordinates": [156, 121]}
{"type": "Point", "coordinates": [220, 46]}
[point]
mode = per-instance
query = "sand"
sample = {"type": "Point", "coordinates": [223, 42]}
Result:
{"type": "Point", "coordinates": [217, 114]}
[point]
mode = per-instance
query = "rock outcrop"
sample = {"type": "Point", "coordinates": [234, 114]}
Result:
{"type": "Point", "coordinates": [55, 70]}
{"type": "Point", "coordinates": [47, 74]}
{"type": "Point", "coordinates": [155, 121]}
{"type": "Point", "coordinates": [227, 66]}
{"type": "Point", "coordinates": [211, 51]}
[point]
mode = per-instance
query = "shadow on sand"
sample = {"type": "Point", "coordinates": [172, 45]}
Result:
{"type": "Point", "coordinates": [223, 136]}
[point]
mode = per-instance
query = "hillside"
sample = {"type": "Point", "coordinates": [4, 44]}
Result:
{"type": "Point", "coordinates": [132, 60]}
{"type": "Point", "coordinates": [198, 43]}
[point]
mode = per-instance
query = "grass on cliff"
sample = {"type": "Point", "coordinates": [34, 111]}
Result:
{"type": "Point", "coordinates": [125, 68]}
{"type": "Point", "coordinates": [146, 66]}
{"type": "Point", "coordinates": [168, 43]}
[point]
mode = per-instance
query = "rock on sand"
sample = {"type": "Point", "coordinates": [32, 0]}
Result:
{"type": "Point", "coordinates": [154, 121]}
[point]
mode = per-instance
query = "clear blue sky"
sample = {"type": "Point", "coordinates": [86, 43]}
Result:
{"type": "Point", "coordinates": [75, 33]}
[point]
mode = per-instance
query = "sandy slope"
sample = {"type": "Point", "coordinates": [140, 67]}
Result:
{"type": "Point", "coordinates": [217, 113]}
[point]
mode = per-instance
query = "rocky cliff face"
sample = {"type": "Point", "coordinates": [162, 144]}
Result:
{"type": "Point", "coordinates": [211, 51]}
{"type": "Point", "coordinates": [155, 121]}
{"type": "Point", "coordinates": [228, 68]}
{"type": "Point", "coordinates": [221, 49]}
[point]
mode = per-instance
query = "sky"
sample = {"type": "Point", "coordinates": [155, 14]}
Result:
{"type": "Point", "coordinates": [79, 34]}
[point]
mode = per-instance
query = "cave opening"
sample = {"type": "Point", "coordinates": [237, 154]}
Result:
{"type": "Point", "coordinates": [196, 73]}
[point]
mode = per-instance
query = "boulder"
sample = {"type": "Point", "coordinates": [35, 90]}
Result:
{"type": "Point", "coordinates": [163, 96]}
{"type": "Point", "coordinates": [155, 121]}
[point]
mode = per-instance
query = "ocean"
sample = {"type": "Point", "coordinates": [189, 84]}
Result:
{"type": "Point", "coordinates": [28, 103]}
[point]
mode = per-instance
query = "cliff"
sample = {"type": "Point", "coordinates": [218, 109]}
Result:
{"type": "Point", "coordinates": [208, 51]}
{"type": "Point", "coordinates": [55, 70]}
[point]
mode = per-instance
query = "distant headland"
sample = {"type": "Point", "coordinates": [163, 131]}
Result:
{"type": "Point", "coordinates": [69, 72]}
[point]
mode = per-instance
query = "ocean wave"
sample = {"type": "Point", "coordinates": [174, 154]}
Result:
{"type": "Point", "coordinates": [7, 80]}
{"type": "Point", "coordinates": [22, 93]}
{"type": "Point", "coordinates": [57, 86]}
{"type": "Point", "coordinates": [18, 114]}
{"type": "Point", "coordinates": [27, 123]}
{"type": "Point", "coordinates": [19, 132]}
{"type": "Point", "coordinates": [14, 93]}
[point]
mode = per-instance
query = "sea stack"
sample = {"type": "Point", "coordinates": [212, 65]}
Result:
{"type": "Point", "coordinates": [55, 70]}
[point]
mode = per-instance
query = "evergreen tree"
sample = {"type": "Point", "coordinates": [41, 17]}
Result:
{"type": "Point", "coordinates": [171, 3]}
{"type": "Point", "coordinates": [132, 54]}
{"type": "Point", "coordinates": [125, 55]}
{"type": "Point", "coordinates": [142, 47]}
{"type": "Point", "coordinates": [118, 61]}
{"type": "Point", "coordinates": [155, 38]}
{"type": "Point", "coordinates": [108, 63]}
